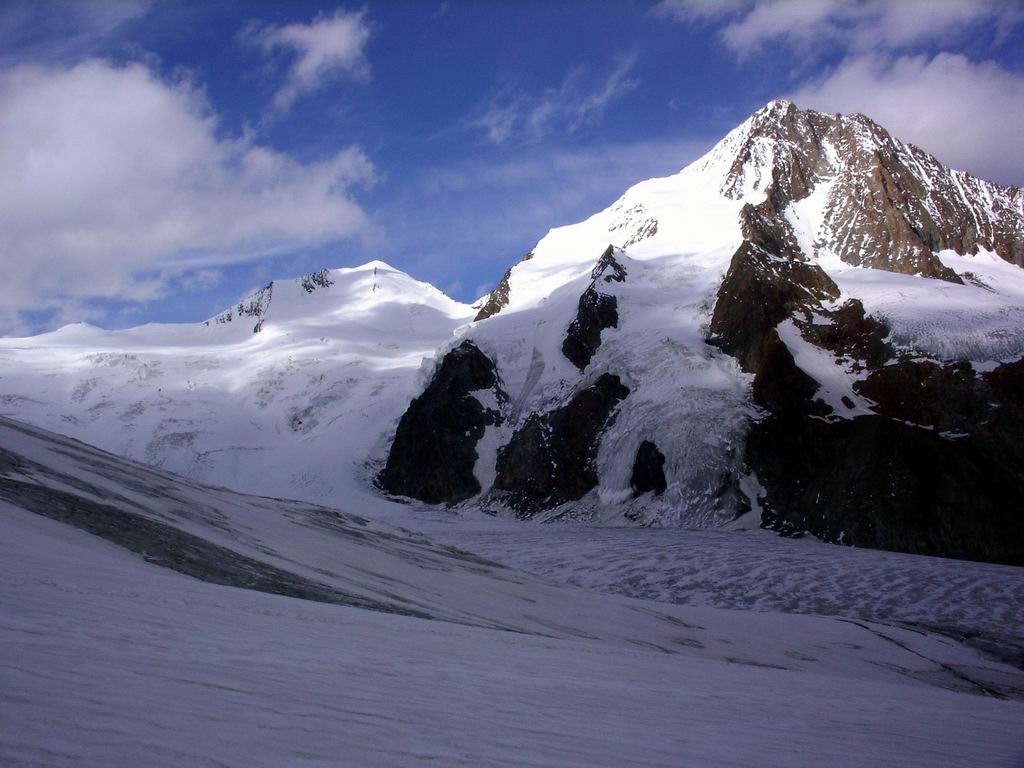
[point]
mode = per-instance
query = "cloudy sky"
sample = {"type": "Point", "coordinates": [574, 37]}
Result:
{"type": "Point", "coordinates": [160, 159]}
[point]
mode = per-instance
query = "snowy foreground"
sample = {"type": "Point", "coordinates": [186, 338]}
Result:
{"type": "Point", "coordinates": [408, 652]}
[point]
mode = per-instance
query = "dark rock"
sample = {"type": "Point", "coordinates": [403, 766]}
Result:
{"type": "Point", "coordinates": [319, 279]}
{"type": "Point", "coordinates": [780, 386]}
{"type": "Point", "coordinates": [608, 268]}
{"type": "Point", "coordinates": [648, 470]}
{"type": "Point", "coordinates": [596, 312]}
{"type": "Point", "coordinates": [550, 459]}
{"type": "Point", "coordinates": [255, 305]}
{"type": "Point", "coordinates": [759, 291]}
{"type": "Point", "coordinates": [497, 300]}
{"type": "Point", "coordinates": [799, 134]}
{"type": "Point", "coordinates": [434, 451]}
{"type": "Point", "coordinates": [765, 226]}
{"type": "Point", "coordinates": [939, 469]}
{"type": "Point", "coordinates": [1007, 383]}
{"type": "Point", "coordinates": [877, 482]}
{"type": "Point", "coordinates": [948, 398]}
{"type": "Point", "coordinates": [852, 334]}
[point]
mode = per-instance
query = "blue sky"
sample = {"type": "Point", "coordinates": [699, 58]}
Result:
{"type": "Point", "coordinates": [163, 158]}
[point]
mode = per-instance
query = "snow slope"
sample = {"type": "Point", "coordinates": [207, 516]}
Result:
{"type": "Point", "coordinates": [111, 659]}
{"type": "Point", "coordinates": [292, 410]}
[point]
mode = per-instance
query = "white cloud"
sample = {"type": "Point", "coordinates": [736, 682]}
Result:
{"type": "Point", "coordinates": [700, 10]}
{"type": "Point", "coordinates": [116, 182]}
{"type": "Point", "coordinates": [569, 107]}
{"type": "Point", "coordinates": [967, 114]}
{"type": "Point", "coordinates": [61, 30]}
{"type": "Point", "coordinates": [201, 280]}
{"type": "Point", "coordinates": [501, 118]}
{"type": "Point", "coordinates": [590, 108]}
{"type": "Point", "coordinates": [329, 47]}
{"type": "Point", "coordinates": [810, 28]}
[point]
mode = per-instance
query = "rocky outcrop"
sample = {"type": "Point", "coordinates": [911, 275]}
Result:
{"type": "Point", "coordinates": [875, 481]}
{"type": "Point", "coordinates": [937, 469]}
{"type": "Point", "coordinates": [256, 305]}
{"type": "Point", "coordinates": [780, 386]}
{"type": "Point", "coordinates": [597, 311]}
{"type": "Point", "coordinates": [853, 336]}
{"type": "Point", "coordinates": [889, 205]}
{"type": "Point", "coordinates": [497, 300]}
{"type": "Point", "coordinates": [319, 279]}
{"type": "Point", "coordinates": [937, 465]}
{"type": "Point", "coordinates": [760, 290]}
{"type": "Point", "coordinates": [608, 269]}
{"type": "Point", "coordinates": [434, 451]}
{"type": "Point", "coordinates": [648, 470]}
{"type": "Point", "coordinates": [550, 459]}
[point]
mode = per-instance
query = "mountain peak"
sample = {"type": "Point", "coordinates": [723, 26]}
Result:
{"type": "Point", "coordinates": [775, 108]}
{"type": "Point", "coordinates": [335, 292]}
{"type": "Point", "coordinates": [837, 188]}
{"type": "Point", "coordinates": [876, 201]}
{"type": "Point", "coordinates": [376, 264]}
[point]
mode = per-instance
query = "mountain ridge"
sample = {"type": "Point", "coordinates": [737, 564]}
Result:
{"type": "Point", "coordinates": [696, 320]}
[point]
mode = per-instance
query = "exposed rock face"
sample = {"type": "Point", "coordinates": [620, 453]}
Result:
{"type": "Point", "coordinates": [434, 452]}
{"type": "Point", "coordinates": [596, 312]}
{"type": "Point", "coordinates": [780, 386]}
{"type": "Point", "coordinates": [760, 290]}
{"type": "Point", "coordinates": [648, 470]}
{"type": "Point", "coordinates": [878, 482]}
{"type": "Point", "coordinates": [887, 205]}
{"type": "Point", "coordinates": [853, 336]}
{"type": "Point", "coordinates": [550, 459]}
{"type": "Point", "coordinates": [319, 279]}
{"type": "Point", "coordinates": [938, 469]}
{"type": "Point", "coordinates": [498, 298]}
{"type": "Point", "coordinates": [256, 305]}
{"type": "Point", "coordinates": [608, 269]}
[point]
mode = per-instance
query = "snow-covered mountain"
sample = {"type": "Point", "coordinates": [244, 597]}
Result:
{"type": "Point", "coordinates": [287, 393]}
{"type": "Point", "coordinates": [815, 324]}
{"type": "Point", "coordinates": [810, 322]}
